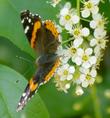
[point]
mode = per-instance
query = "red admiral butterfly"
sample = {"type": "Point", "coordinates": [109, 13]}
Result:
{"type": "Point", "coordinates": [44, 38]}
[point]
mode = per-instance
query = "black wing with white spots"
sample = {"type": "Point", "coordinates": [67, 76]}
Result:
{"type": "Point", "coordinates": [28, 20]}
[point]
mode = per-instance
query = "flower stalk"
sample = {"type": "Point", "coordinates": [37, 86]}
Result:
{"type": "Point", "coordinates": [84, 55]}
{"type": "Point", "coordinates": [96, 102]}
{"type": "Point", "coordinates": [78, 10]}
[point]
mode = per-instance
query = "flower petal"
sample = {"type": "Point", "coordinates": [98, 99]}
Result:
{"type": "Point", "coordinates": [85, 32]}
{"type": "Point", "coordinates": [86, 65]}
{"type": "Point", "coordinates": [69, 77]}
{"type": "Point", "coordinates": [93, 60]}
{"type": "Point", "coordinates": [91, 81]}
{"type": "Point", "coordinates": [65, 66]}
{"type": "Point", "coordinates": [93, 42]}
{"type": "Point", "coordinates": [64, 11]}
{"type": "Point", "coordinates": [78, 61]}
{"type": "Point", "coordinates": [68, 5]}
{"type": "Point", "coordinates": [77, 42]}
{"type": "Point", "coordinates": [96, 2]}
{"type": "Point", "coordinates": [75, 19]}
{"type": "Point", "coordinates": [71, 69]}
{"type": "Point", "coordinates": [93, 24]}
{"type": "Point", "coordinates": [88, 51]}
{"type": "Point", "coordinates": [80, 52]}
{"type": "Point", "coordinates": [68, 26]}
{"type": "Point", "coordinates": [95, 10]}
{"type": "Point", "coordinates": [85, 84]}
{"type": "Point", "coordinates": [93, 73]}
{"type": "Point", "coordinates": [67, 86]}
{"type": "Point", "coordinates": [99, 33]}
{"type": "Point", "coordinates": [85, 13]}
{"type": "Point", "coordinates": [79, 90]}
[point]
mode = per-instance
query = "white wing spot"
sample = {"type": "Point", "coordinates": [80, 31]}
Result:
{"type": "Point", "coordinates": [22, 21]}
{"type": "Point", "coordinates": [29, 20]}
{"type": "Point", "coordinates": [26, 29]}
{"type": "Point", "coordinates": [25, 98]}
{"type": "Point", "coordinates": [19, 103]}
{"type": "Point", "coordinates": [24, 94]}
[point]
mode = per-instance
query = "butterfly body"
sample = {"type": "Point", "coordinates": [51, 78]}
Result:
{"type": "Point", "coordinates": [43, 38]}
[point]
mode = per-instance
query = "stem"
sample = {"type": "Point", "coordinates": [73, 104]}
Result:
{"type": "Point", "coordinates": [67, 41]}
{"type": "Point", "coordinates": [85, 19]}
{"type": "Point", "coordinates": [78, 10]}
{"type": "Point", "coordinates": [96, 102]}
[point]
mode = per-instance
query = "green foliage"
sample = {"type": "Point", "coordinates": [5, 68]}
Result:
{"type": "Point", "coordinates": [14, 43]}
{"type": "Point", "coordinates": [11, 88]}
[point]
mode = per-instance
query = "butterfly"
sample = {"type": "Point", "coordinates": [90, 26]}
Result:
{"type": "Point", "coordinates": [43, 37]}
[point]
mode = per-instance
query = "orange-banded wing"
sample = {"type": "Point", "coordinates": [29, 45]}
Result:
{"type": "Point", "coordinates": [52, 28]}
{"type": "Point", "coordinates": [51, 41]}
{"type": "Point", "coordinates": [29, 91]}
{"type": "Point", "coordinates": [43, 74]}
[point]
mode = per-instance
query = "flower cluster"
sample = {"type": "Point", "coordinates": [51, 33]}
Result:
{"type": "Point", "coordinates": [82, 52]}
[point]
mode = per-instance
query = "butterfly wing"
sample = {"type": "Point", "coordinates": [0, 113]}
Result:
{"type": "Point", "coordinates": [47, 44]}
{"type": "Point", "coordinates": [44, 73]}
{"type": "Point", "coordinates": [31, 24]}
{"type": "Point", "coordinates": [52, 37]}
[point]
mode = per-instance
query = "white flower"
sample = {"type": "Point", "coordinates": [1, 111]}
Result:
{"type": "Point", "coordinates": [80, 32]}
{"type": "Point", "coordinates": [72, 50]}
{"type": "Point", "coordinates": [89, 7]}
{"type": "Point", "coordinates": [98, 44]}
{"type": "Point", "coordinates": [61, 85]}
{"type": "Point", "coordinates": [85, 58]}
{"type": "Point", "coordinates": [76, 32]}
{"type": "Point", "coordinates": [87, 77]}
{"type": "Point", "coordinates": [63, 54]}
{"type": "Point", "coordinates": [101, 43]}
{"type": "Point", "coordinates": [98, 21]}
{"type": "Point", "coordinates": [99, 33]}
{"type": "Point", "coordinates": [68, 17]}
{"type": "Point", "coordinates": [65, 72]}
{"type": "Point", "coordinates": [79, 90]}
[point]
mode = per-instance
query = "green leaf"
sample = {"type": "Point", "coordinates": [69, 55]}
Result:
{"type": "Point", "coordinates": [11, 88]}
{"type": "Point", "coordinates": [10, 22]}
{"type": "Point", "coordinates": [10, 55]}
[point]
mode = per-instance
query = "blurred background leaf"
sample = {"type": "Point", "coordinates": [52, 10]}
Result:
{"type": "Point", "coordinates": [13, 43]}
{"type": "Point", "coordinates": [11, 88]}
